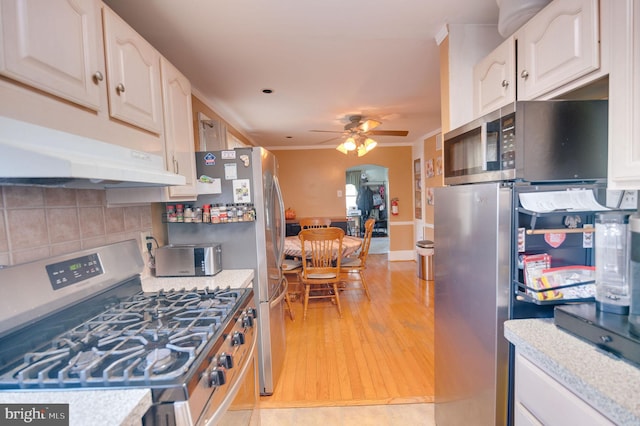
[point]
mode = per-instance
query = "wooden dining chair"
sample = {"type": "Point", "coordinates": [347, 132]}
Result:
{"type": "Point", "coordinates": [352, 268]}
{"type": "Point", "coordinates": [321, 249]}
{"type": "Point", "coordinates": [314, 222]}
{"type": "Point", "coordinates": [291, 269]}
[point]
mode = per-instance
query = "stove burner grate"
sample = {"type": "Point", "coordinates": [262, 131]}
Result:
{"type": "Point", "coordinates": [146, 339]}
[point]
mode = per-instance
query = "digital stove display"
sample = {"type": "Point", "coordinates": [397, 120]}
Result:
{"type": "Point", "coordinates": [63, 274]}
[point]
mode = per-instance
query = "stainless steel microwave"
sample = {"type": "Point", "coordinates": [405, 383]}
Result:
{"type": "Point", "coordinates": [532, 141]}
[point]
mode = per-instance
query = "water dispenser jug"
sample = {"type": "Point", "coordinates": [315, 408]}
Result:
{"type": "Point", "coordinates": [634, 274]}
{"type": "Point", "coordinates": [612, 262]}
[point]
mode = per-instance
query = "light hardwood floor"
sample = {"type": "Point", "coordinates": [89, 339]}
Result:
{"type": "Point", "coordinates": [379, 352]}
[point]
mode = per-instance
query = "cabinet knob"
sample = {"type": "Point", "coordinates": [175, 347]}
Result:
{"type": "Point", "coordinates": [524, 74]}
{"type": "Point", "coordinates": [97, 77]}
{"type": "Point", "coordinates": [505, 83]}
{"type": "Point", "coordinates": [120, 88]}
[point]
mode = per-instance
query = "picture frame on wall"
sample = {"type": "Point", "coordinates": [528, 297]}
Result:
{"type": "Point", "coordinates": [417, 188]}
{"type": "Point", "coordinates": [429, 168]}
{"type": "Point", "coordinates": [429, 195]}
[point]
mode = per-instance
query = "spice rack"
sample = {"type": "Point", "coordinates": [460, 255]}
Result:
{"type": "Point", "coordinates": [210, 214]}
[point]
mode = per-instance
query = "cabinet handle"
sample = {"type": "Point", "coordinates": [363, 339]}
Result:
{"type": "Point", "coordinates": [97, 77]}
{"type": "Point", "coordinates": [524, 74]}
{"type": "Point", "coordinates": [505, 83]}
{"type": "Point", "coordinates": [120, 88]}
{"type": "Point", "coordinates": [176, 168]}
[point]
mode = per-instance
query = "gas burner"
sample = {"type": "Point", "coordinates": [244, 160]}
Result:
{"type": "Point", "coordinates": [160, 360]}
{"type": "Point", "coordinates": [83, 360]}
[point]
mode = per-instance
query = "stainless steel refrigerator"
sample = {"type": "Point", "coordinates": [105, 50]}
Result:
{"type": "Point", "coordinates": [248, 175]}
{"type": "Point", "coordinates": [472, 283]}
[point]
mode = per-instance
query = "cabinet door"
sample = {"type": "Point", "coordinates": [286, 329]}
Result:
{"type": "Point", "coordinates": [558, 45]}
{"type": "Point", "coordinates": [493, 79]}
{"type": "Point", "coordinates": [540, 399]}
{"type": "Point", "coordinates": [624, 97]}
{"type": "Point", "coordinates": [133, 75]}
{"type": "Point", "coordinates": [54, 46]}
{"type": "Point", "coordinates": [178, 128]}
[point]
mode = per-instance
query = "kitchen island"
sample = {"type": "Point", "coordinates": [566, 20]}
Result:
{"type": "Point", "coordinates": [608, 384]}
{"type": "Point", "coordinates": [121, 406]}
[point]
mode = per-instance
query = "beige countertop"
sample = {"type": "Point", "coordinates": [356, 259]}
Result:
{"type": "Point", "coordinates": [122, 406]}
{"type": "Point", "coordinates": [91, 407]}
{"type": "Point", "coordinates": [607, 383]}
{"type": "Point", "coordinates": [234, 278]}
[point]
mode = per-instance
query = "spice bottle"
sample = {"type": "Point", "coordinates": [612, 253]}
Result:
{"type": "Point", "coordinates": [171, 213]}
{"type": "Point", "coordinates": [232, 212]}
{"type": "Point", "coordinates": [215, 214]}
{"type": "Point", "coordinates": [179, 213]}
{"type": "Point", "coordinates": [206, 213]}
{"type": "Point", "coordinates": [197, 215]}
{"type": "Point", "coordinates": [223, 213]}
{"type": "Point", "coordinates": [188, 214]}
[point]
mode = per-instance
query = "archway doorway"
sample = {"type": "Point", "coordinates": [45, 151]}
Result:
{"type": "Point", "coordinates": [366, 189]}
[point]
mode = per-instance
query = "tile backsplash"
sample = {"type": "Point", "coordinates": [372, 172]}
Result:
{"type": "Point", "coordinates": [37, 222]}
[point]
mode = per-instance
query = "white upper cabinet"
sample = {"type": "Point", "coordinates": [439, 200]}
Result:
{"type": "Point", "coordinates": [494, 78]}
{"type": "Point", "coordinates": [557, 46]}
{"type": "Point", "coordinates": [54, 46]}
{"type": "Point", "coordinates": [133, 75]}
{"type": "Point", "coordinates": [624, 97]}
{"type": "Point", "coordinates": [178, 128]}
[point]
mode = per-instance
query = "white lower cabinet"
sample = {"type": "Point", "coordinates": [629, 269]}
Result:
{"type": "Point", "coordinates": [541, 400]}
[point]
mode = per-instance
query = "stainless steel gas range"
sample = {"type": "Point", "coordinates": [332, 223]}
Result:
{"type": "Point", "coordinates": [82, 321]}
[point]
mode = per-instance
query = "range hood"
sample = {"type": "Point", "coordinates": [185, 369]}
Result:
{"type": "Point", "coordinates": [35, 155]}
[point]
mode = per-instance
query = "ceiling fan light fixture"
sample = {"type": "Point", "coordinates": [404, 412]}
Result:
{"type": "Point", "coordinates": [369, 144]}
{"type": "Point", "coordinates": [362, 150]}
{"type": "Point", "coordinates": [342, 149]}
{"type": "Point", "coordinates": [349, 144]}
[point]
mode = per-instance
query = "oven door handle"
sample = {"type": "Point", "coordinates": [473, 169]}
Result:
{"type": "Point", "coordinates": [284, 288]}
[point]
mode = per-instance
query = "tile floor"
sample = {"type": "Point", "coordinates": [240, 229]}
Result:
{"type": "Point", "coordinates": [379, 245]}
{"type": "Point", "coordinates": [371, 415]}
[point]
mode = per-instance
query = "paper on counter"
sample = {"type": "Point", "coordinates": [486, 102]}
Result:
{"type": "Point", "coordinates": [570, 200]}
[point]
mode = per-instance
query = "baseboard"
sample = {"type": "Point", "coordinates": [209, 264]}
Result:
{"type": "Point", "coordinates": [402, 255]}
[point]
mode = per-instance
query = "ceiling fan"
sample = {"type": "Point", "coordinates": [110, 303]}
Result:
{"type": "Point", "coordinates": [357, 132]}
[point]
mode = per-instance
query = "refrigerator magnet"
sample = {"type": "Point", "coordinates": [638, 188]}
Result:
{"type": "Point", "coordinates": [241, 191]}
{"type": "Point", "coordinates": [230, 171]}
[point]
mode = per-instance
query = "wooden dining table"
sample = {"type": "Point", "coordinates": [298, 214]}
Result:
{"type": "Point", "coordinates": [292, 247]}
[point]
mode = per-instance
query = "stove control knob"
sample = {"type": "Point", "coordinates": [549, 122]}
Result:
{"type": "Point", "coordinates": [217, 377]}
{"type": "Point", "coordinates": [225, 360]}
{"type": "Point", "coordinates": [247, 321]}
{"type": "Point", "coordinates": [237, 338]}
{"type": "Point", "coordinates": [253, 312]}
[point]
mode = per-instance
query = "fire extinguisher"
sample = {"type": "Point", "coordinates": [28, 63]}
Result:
{"type": "Point", "coordinates": [394, 206]}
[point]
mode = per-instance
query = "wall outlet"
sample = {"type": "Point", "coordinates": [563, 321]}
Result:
{"type": "Point", "coordinates": [629, 200]}
{"type": "Point", "coordinates": [622, 199]}
{"type": "Point", "coordinates": [144, 241]}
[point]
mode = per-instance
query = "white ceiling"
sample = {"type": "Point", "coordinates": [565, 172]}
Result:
{"type": "Point", "coordinates": [324, 60]}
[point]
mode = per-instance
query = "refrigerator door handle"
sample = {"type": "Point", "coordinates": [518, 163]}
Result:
{"type": "Point", "coordinates": [280, 245]}
{"type": "Point", "coordinates": [284, 288]}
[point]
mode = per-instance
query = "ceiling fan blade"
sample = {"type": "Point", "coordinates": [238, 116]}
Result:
{"type": "Point", "coordinates": [388, 132]}
{"type": "Point", "coordinates": [328, 140]}
{"type": "Point", "coordinates": [368, 125]}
